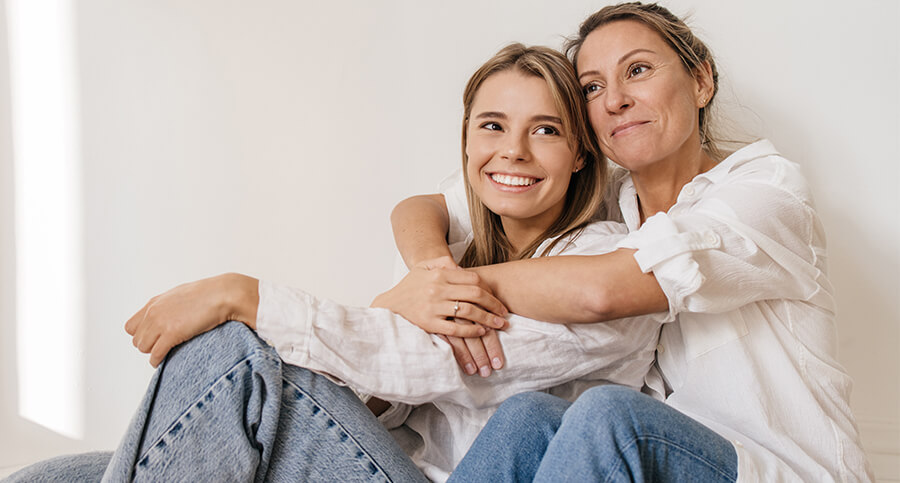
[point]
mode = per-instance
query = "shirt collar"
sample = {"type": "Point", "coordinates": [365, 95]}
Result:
{"type": "Point", "coordinates": [628, 194]}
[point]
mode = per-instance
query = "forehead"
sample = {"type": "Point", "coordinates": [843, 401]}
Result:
{"type": "Point", "coordinates": [615, 39]}
{"type": "Point", "coordinates": [513, 91]}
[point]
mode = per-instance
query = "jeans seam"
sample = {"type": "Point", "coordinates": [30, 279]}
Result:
{"type": "Point", "coordinates": [665, 441]}
{"type": "Point", "coordinates": [349, 434]}
{"type": "Point", "coordinates": [255, 354]}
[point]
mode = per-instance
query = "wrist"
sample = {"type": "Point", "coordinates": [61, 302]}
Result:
{"type": "Point", "coordinates": [242, 298]}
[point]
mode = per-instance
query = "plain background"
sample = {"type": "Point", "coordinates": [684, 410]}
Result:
{"type": "Point", "coordinates": [274, 137]}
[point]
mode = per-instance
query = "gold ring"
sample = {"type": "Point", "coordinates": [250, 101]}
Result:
{"type": "Point", "coordinates": [455, 309]}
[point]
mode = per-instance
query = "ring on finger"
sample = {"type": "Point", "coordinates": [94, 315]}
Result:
{"type": "Point", "coordinates": [455, 309]}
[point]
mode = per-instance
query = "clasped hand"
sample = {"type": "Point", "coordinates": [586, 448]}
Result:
{"type": "Point", "coordinates": [443, 299]}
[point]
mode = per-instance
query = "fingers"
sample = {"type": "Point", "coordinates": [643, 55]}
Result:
{"type": "Point", "coordinates": [461, 354]}
{"type": "Point", "coordinates": [160, 349]}
{"type": "Point", "coordinates": [476, 314]}
{"type": "Point", "coordinates": [445, 327]}
{"type": "Point", "coordinates": [479, 354]}
{"type": "Point", "coordinates": [491, 341]}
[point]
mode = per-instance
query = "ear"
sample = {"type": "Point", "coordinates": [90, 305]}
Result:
{"type": "Point", "coordinates": [579, 164]}
{"type": "Point", "coordinates": [705, 86]}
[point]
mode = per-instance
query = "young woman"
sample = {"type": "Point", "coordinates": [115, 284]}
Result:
{"type": "Point", "coordinates": [223, 405]}
{"type": "Point", "coordinates": [746, 385]}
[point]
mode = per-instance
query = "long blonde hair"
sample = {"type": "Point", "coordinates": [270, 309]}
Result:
{"type": "Point", "coordinates": [585, 193]}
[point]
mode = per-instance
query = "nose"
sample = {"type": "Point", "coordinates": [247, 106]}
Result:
{"type": "Point", "coordinates": [515, 147]}
{"type": "Point", "coordinates": [617, 98]}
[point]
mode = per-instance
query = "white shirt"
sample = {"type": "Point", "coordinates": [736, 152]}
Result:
{"type": "Point", "coordinates": [750, 347]}
{"type": "Point", "coordinates": [378, 352]}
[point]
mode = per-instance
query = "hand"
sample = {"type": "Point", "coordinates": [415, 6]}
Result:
{"type": "Point", "coordinates": [477, 353]}
{"type": "Point", "coordinates": [191, 309]}
{"type": "Point", "coordinates": [430, 295]}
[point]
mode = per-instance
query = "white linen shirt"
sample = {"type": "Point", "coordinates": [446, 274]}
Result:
{"type": "Point", "coordinates": [750, 346]}
{"type": "Point", "coordinates": [377, 352]}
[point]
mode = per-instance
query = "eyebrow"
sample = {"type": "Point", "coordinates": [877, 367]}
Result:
{"type": "Point", "coordinates": [537, 118]}
{"type": "Point", "coordinates": [621, 60]}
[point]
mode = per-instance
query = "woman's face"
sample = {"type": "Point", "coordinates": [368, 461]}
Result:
{"type": "Point", "coordinates": [642, 102]}
{"type": "Point", "coordinates": [519, 158]}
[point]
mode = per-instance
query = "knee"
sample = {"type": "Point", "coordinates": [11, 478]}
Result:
{"type": "Point", "coordinates": [225, 344]}
{"type": "Point", "coordinates": [608, 406]}
{"type": "Point", "coordinates": [532, 410]}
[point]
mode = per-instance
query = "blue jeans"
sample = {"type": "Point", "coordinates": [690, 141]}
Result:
{"type": "Point", "coordinates": [223, 407]}
{"type": "Point", "coordinates": [610, 433]}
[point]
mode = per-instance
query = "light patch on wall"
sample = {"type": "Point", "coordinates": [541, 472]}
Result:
{"type": "Point", "coordinates": [49, 270]}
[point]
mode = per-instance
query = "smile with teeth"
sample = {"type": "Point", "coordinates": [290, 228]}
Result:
{"type": "Point", "coordinates": [510, 180]}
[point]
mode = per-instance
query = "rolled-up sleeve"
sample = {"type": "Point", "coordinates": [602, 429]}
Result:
{"type": "Point", "coordinates": [742, 241]}
{"type": "Point", "coordinates": [380, 353]}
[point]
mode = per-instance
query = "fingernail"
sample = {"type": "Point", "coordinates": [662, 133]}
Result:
{"type": "Point", "coordinates": [495, 362]}
{"type": "Point", "coordinates": [485, 371]}
{"type": "Point", "coordinates": [499, 322]}
{"type": "Point", "coordinates": [470, 369]}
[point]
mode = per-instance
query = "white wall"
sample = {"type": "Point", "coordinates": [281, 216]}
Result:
{"type": "Point", "coordinates": [274, 137]}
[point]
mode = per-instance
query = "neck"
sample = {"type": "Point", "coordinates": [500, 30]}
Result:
{"type": "Point", "coordinates": [658, 185]}
{"type": "Point", "coordinates": [520, 234]}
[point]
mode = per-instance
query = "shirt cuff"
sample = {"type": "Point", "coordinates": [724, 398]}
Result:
{"type": "Point", "coordinates": [668, 253]}
{"type": "Point", "coordinates": [283, 319]}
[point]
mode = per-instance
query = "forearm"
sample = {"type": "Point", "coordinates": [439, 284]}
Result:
{"type": "Point", "coordinates": [420, 225]}
{"type": "Point", "coordinates": [241, 298]}
{"type": "Point", "coordinates": [576, 289]}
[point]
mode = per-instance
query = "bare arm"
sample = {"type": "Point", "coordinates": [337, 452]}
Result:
{"type": "Point", "coordinates": [420, 226]}
{"type": "Point", "coordinates": [576, 289]}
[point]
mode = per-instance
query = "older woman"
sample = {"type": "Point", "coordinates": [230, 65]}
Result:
{"type": "Point", "coordinates": [746, 384]}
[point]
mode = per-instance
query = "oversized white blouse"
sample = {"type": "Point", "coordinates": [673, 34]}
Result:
{"type": "Point", "coordinates": [378, 352]}
{"type": "Point", "coordinates": [749, 347]}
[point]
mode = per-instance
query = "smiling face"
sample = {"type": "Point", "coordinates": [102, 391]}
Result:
{"type": "Point", "coordinates": [520, 160]}
{"type": "Point", "coordinates": [642, 102]}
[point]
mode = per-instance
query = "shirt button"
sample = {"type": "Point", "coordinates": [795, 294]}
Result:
{"type": "Point", "coordinates": [689, 190]}
{"type": "Point", "coordinates": [738, 444]}
{"type": "Point", "coordinates": [660, 349]}
{"type": "Point", "coordinates": [711, 239]}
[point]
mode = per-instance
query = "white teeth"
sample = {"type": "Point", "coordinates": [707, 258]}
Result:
{"type": "Point", "coordinates": [513, 180]}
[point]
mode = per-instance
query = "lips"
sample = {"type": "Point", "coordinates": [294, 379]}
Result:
{"type": "Point", "coordinates": [513, 180]}
{"type": "Point", "coordinates": [622, 128]}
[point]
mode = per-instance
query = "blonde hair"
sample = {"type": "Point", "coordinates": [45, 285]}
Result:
{"type": "Point", "coordinates": [584, 195]}
{"type": "Point", "coordinates": [692, 51]}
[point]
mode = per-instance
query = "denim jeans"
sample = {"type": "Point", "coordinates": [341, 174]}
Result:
{"type": "Point", "coordinates": [223, 407]}
{"type": "Point", "coordinates": [610, 433]}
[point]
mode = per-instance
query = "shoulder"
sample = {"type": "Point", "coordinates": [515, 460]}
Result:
{"type": "Point", "coordinates": [762, 165]}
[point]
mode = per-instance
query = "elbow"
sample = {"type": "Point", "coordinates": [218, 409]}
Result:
{"type": "Point", "coordinates": [597, 303]}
